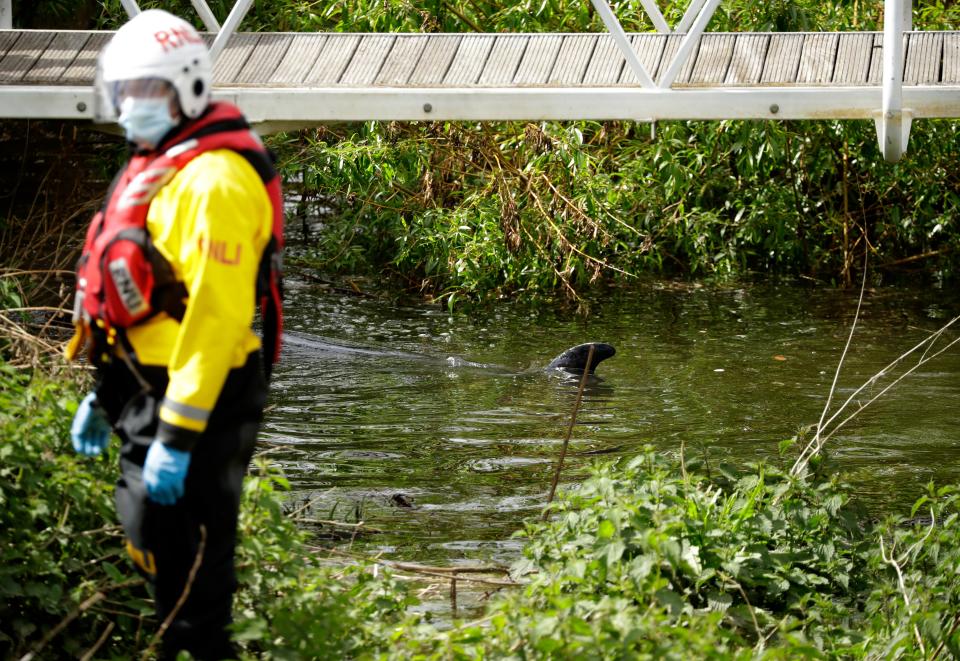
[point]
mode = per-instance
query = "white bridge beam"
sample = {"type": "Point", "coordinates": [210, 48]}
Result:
{"type": "Point", "coordinates": [6, 14]}
{"type": "Point", "coordinates": [131, 7]}
{"type": "Point", "coordinates": [620, 38]}
{"type": "Point", "coordinates": [306, 107]}
{"type": "Point", "coordinates": [689, 41]}
{"type": "Point", "coordinates": [209, 20]}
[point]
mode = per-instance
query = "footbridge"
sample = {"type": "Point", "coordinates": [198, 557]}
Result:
{"type": "Point", "coordinates": [682, 72]}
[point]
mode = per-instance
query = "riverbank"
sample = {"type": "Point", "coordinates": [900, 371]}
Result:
{"type": "Point", "coordinates": [659, 555]}
{"type": "Point", "coordinates": [456, 212]}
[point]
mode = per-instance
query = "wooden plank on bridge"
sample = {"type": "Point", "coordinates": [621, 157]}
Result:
{"type": "Point", "coordinates": [649, 49]}
{"type": "Point", "coordinates": [368, 59]}
{"type": "Point", "coordinates": [606, 63]}
{"type": "Point", "coordinates": [402, 60]}
{"type": "Point", "coordinates": [713, 59]}
{"type": "Point", "coordinates": [299, 59]}
{"type": "Point", "coordinates": [232, 58]}
{"type": "Point", "coordinates": [746, 63]}
{"type": "Point", "coordinates": [22, 55]}
{"type": "Point", "coordinates": [436, 60]}
{"type": "Point", "coordinates": [7, 39]}
{"type": "Point", "coordinates": [84, 66]}
{"type": "Point", "coordinates": [265, 59]}
{"type": "Point", "coordinates": [469, 61]}
{"type": "Point", "coordinates": [333, 59]}
{"type": "Point", "coordinates": [538, 59]}
{"type": "Point", "coordinates": [951, 59]}
{"type": "Point", "coordinates": [818, 57]}
{"type": "Point", "coordinates": [504, 60]}
{"type": "Point", "coordinates": [573, 58]}
{"type": "Point", "coordinates": [57, 57]}
{"type": "Point", "coordinates": [854, 51]}
{"type": "Point", "coordinates": [876, 62]}
{"type": "Point", "coordinates": [670, 48]}
{"type": "Point", "coordinates": [783, 59]}
{"type": "Point", "coordinates": [924, 58]}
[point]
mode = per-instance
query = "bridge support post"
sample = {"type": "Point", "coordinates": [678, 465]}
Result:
{"type": "Point", "coordinates": [229, 27]}
{"type": "Point", "coordinates": [131, 7]}
{"type": "Point", "coordinates": [689, 40]}
{"type": "Point", "coordinates": [620, 39]}
{"type": "Point", "coordinates": [209, 20]}
{"type": "Point", "coordinates": [6, 14]}
{"type": "Point", "coordinates": [689, 16]}
{"type": "Point", "coordinates": [893, 125]}
{"type": "Point", "coordinates": [656, 16]}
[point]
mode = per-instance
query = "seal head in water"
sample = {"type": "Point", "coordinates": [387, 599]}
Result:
{"type": "Point", "coordinates": [574, 359]}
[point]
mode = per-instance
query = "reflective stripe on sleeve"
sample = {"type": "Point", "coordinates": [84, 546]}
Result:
{"type": "Point", "coordinates": [184, 415]}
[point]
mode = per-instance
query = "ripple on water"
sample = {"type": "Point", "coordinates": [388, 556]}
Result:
{"type": "Point", "coordinates": [473, 455]}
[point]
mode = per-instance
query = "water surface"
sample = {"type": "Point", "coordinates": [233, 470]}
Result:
{"type": "Point", "coordinates": [728, 372]}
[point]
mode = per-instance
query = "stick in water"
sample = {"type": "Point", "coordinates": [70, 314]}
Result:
{"type": "Point", "coordinates": [573, 421]}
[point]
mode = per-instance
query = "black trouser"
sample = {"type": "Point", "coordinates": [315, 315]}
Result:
{"type": "Point", "coordinates": [167, 539]}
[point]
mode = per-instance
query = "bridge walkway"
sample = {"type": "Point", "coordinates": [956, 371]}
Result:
{"type": "Point", "coordinates": [294, 80]}
{"type": "Point", "coordinates": [297, 60]}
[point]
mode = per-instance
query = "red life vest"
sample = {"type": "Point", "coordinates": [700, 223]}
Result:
{"type": "Point", "coordinates": [123, 280]}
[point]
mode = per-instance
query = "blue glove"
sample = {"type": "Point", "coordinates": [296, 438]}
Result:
{"type": "Point", "coordinates": [164, 472]}
{"type": "Point", "coordinates": [90, 431]}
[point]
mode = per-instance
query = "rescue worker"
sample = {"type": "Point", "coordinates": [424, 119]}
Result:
{"type": "Point", "coordinates": [186, 245]}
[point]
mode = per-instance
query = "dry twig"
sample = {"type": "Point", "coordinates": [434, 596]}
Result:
{"type": "Point", "coordinates": [573, 421]}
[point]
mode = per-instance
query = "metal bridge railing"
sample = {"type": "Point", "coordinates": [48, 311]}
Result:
{"type": "Point", "coordinates": [893, 121]}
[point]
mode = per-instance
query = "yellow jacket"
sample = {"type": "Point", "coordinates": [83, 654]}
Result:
{"type": "Point", "coordinates": [212, 222]}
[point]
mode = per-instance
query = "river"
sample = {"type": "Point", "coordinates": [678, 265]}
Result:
{"type": "Point", "coordinates": [448, 459]}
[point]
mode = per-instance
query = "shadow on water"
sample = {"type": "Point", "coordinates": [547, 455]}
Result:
{"type": "Point", "coordinates": [442, 430]}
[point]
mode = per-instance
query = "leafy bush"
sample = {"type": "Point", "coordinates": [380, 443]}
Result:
{"type": "Point", "coordinates": [57, 544]}
{"type": "Point", "coordinates": [294, 603]}
{"type": "Point", "coordinates": [645, 561]}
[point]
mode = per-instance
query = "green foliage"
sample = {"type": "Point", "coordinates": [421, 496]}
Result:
{"type": "Point", "coordinates": [923, 611]}
{"type": "Point", "coordinates": [651, 558]}
{"type": "Point", "coordinates": [54, 516]}
{"type": "Point", "coordinates": [772, 560]}
{"type": "Point", "coordinates": [292, 605]}
{"type": "Point", "coordinates": [65, 578]}
{"type": "Point", "coordinates": [492, 210]}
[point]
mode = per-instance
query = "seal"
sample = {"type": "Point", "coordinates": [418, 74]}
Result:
{"type": "Point", "coordinates": [575, 358]}
{"type": "Point", "coordinates": [570, 361]}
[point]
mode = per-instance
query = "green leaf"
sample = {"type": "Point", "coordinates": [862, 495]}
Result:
{"type": "Point", "coordinates": [606, 530]}
{"type": "Point", "coordinates": [719, 601]}
{"type": "Point", "coordinates": [614, 552]}
{"type": "Point", "coordinates": [115, 574]}
{"type": "Point", "coordinates": [670, 600]}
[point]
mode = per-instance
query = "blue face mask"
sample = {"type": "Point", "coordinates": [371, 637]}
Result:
{"type": "Point", "coordinates": [146, 120]}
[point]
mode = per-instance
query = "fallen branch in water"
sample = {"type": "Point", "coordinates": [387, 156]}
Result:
{"type": "Point", "coordinates": [445, 573]}
{"type": "Point", "coordinates": [340, 524]}
{"type": "Point", "coordinates": [816, 444]}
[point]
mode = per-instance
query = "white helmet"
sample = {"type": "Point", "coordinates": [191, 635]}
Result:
{"type": "Point", "coordinates": [156, 45]}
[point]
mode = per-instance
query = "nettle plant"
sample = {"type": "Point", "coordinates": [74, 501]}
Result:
{"type": "Point", "coordinates": [655, 557]}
